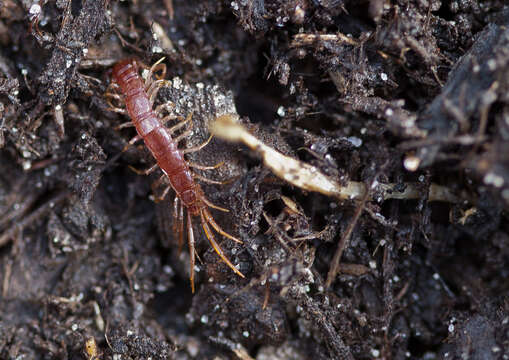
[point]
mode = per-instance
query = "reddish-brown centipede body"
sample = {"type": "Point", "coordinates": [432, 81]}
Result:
{"type": "Point", "coordinates": [138, 95]}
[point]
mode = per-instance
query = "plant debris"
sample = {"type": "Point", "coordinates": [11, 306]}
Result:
{"type": "Point", "coordinates": [310, 178]}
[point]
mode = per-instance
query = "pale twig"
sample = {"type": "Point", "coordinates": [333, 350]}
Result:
{"type": "Point", "coordinates": [310, 178]}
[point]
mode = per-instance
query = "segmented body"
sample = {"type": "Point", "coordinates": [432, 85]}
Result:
{"type": "Point", "coordinates": [156, 136]}
{"type": "Point", "coordinates": [137, 95]}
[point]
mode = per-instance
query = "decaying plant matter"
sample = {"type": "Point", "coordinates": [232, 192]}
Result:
{"type": "Point", "coordinates": [310, 178]}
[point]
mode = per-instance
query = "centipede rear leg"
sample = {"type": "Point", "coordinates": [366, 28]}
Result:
{"type": "Point", "coordinates": [218, 228]}
{"type": "Point", "coordinates": [214, 243]}
{"type": "Point", "coordinates": [192, 252]}
{"type": "Point", "coordinates": [178, 222]}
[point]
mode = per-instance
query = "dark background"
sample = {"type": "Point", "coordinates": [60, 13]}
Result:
{"type": "Point", "coordinates": [362, 90]}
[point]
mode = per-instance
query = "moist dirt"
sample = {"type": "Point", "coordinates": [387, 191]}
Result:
{"type": "Point", "coordinates": [372, 91]}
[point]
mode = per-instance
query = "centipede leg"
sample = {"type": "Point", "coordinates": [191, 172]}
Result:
{"type": "Point", "coordinates": [158, 182]}
{"type": "Point", "coordinates": [163, 195]}
{"type": "Point", "coordinates": [168, 106]}
{"type": "Point", "coordinates": [146, 171]}
{"type": "Point", "coordinates": [179, 125]}
{"type": "Point", "coordinates": [135, 140]}
{"type": "Point", "coordinates": [155, 87]}
{"type": "Point", "coordinates": [190, 240]}
{"type": "Point", "coordinates": [197, 148]}
{"type": "Point", "coordinates": [158, 66]}
{"type": "Point", "coordinates": [216, 227]}
{"type": "Point", "coordinates": [131, 142]}
{"type": "Point", "coordinates": [205, 167]}
{"type": "Point", "coordinates": [216, 246]}
{"type": "Point", "coordinates": [115, 108]}
{"type": "Point", "coordinates": [167, 118]}
{"type": "Point", "coordinates": [186, 133]}
{"type": "Point", "coordinates": [207, 180]}
{"type": "Point", "coordinates": [178, 222]}
{"type": "Point", "coordinates": [124, 125]}
{"type": "Point", "coordinates": [112, 88]}
{"type": "Point", "coordinates": [113, 96]}
{"type": "Point", "coordinates": [111, 93]}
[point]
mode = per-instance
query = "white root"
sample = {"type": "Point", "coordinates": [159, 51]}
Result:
{"type": "Point", "coordinates": [310, 178]}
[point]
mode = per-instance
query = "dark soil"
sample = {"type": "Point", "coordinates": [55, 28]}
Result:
{"type": "Point", "coordinates": [373, 91]}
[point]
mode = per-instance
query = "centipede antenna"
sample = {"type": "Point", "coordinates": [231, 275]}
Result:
{"type": "Point", "coordinates": [159, 61]}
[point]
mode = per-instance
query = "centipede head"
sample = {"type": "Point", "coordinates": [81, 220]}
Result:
{"type": "Point", "coordinates": [121, 67]}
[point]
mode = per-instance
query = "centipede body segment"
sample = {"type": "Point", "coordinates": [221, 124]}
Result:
{"type": "Point", "coordinates": [139, 95]}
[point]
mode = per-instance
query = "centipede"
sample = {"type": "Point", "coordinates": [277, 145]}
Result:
{"type": "Point", "coordinates": [138, 94]}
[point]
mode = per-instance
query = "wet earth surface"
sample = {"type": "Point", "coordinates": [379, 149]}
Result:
{"type": "Point", "coordinates": [409, 93]}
